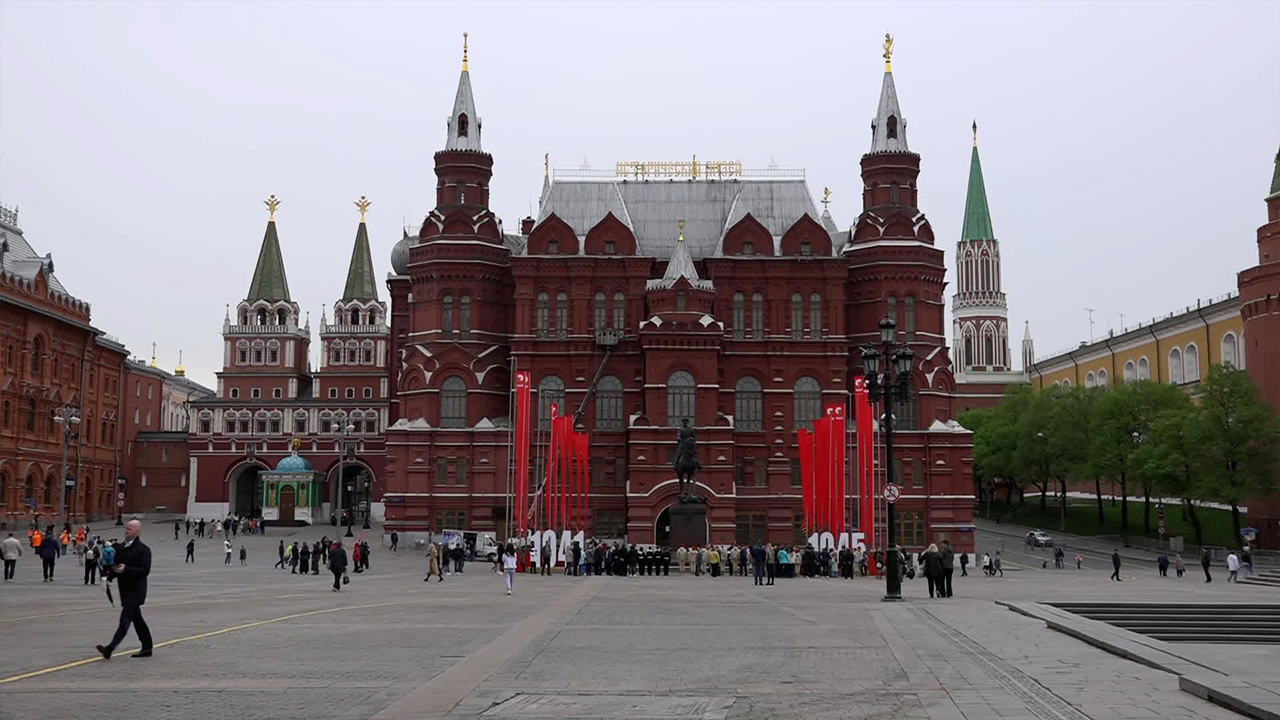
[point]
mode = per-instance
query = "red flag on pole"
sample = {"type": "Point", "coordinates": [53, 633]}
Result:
{"type": "Point", "coordinates": [549, 484]}
{"type": "Point", "coordinates": [866, 482]}
{"type": "Point", "coordinates": [566, 427]}
{"type": "Point", "coordinates": [522, 450]}
{"type": "Point", "coordinates": [805, 439]}
{"type": "Point", "coordinates": [822, 472]}
{"type": "Point", "coordinates": [839, 442]}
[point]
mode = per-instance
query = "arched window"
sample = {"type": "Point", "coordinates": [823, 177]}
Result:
{"type": "Point", "coordinates": [1191, 364]}
{"type": "Point", "coordinates": [464, 319]}
{"type": "Point", "coordinates": [273, 352]}
{"type": "Point", "coordinates": [373, 317]}
{"type": "Point", "coordinates": [757, 315]}
{"type": "Point", "coordinates": [748, 405]}
{"type": "Point", "coordinates": [739, 315]}
{"type": "Point", "coordinates": [353, 352]}
{"type": "Point", "coordinates": [550, 391]}
{"type": "Point", "coordinates": [1144, 369]}
{"type": "Point", "coordinates": [281, 316]}
{"type": "Point", "coordinates": [1229, 352]}
{"type": "Point", "coordinates": [543, 311]}
{"type": "Point", "coordinates": [1130, 372]}
{"type": "Point", "coordinates": [1090, 380]}
{"type": "Point", "coordinates": [37, 353]}
{"type": "Point", "coordinates": [986, 273]}
{"type": "Point", "coordinates": [891, 310]}
{"type": "Point", "coordinates": [1066, 383]}
{"type": "Point", "coordinates": [335, 353]}
{"type": "Point", "coordinates": [619, 311]}
{"type": "Point", "coordinates": [797, 316]}
{"type": "Point", "coordinates": [453, 403]}
{"type": "Point", "coordinates": [1102, 378]}
{"type": "Point", "coordinates": [29, 413]}
{"type": "Point", "coordinates": [262, 316]}
{"type": "Point", "coordinates": [895, 193]}
{"type": "Point", "coordinates": [609, 403]}
{"type": "Point", "coordinates": [808, 402]}
{"type": "Point", "coordinates": [969, 359]}
{"type": "Point", "coordinates": [681, 399]}
{"type": "Point", "coordinates": [909, 321]}
{"type": "Point", "coordinates": [446, 316]}
{"type": "Point", "coordinates": [1175, 366]}
{"type": "Point", "coordinates": [599, 311]}
{"type": "Point", "coordinates": [988, 346]}
{"type": "Point", "coordinates": [366, 353]}
{"type": "Point", "coordinates": [891, 127]}
{"type": "Point", "coordinates": [244, 316]}
{"type": "Point", "coordinates": [815, 316]}
{"type": "Point", "coordinates": [462, 125]}
{"type": "Point", "coordinates": [562, 314]}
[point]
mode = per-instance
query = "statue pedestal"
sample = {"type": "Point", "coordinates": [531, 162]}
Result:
{"type": "Point", "coordinates": [689, 523]}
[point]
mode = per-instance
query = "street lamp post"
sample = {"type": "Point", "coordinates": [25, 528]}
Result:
{"type": "Point", "coordinates": [893, 383]}
{"type": "Point", "coordinates": [342, 480]}
{"type": "Point", "coordinates": [364, 500]}
{"type": "Point", "coordinates": [120, 483]}
{"type": "Point", "coordinates": [69, 418]}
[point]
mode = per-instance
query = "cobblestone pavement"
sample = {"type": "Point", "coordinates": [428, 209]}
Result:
{"type": "Point", "coordinates": [257, 642]}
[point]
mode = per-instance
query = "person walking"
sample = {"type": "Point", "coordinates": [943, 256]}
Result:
{"type": "Point", "coordinates": [1205, 560]}
{"type": "Point", "coordinates": [948, 557]}
{"type": "Point", "coordinates": [48, 551]}
{"type": "Point", "coordinates": [1115, 563]}
{"type": "Point", "coordinates": [315, 558]}
{"type": "Point", "coordinates": [931, 566]}
{"type": "Point", "coordinates": [244, 556]}
{"type": "Point", "coordinates": [770, 562]}
{"type": "Point", "coordinates": [1233, 568]}
{"type": "Point", "coordinates": [1079, 561]}
{"type": "Point", "coordinates": [10, 551]}
{"type": "Point", "coordinates": [395, 540]}
{"type": "Point", "coordinates": [1162, 564]}
{"type": "Point", "coordinates": [133, 565]}
{"type": "Point", "coordinates": [337, 564]}
{"type": "Point", "coordinates": [280, 550]}
{"type": "Point", "coordinates": [964, 564]}
{"type": "Point", "coordinates": [544, 558]}
{"type": "Point", "coordinates": [509, 565]}
{"type": "Point", "coordinates": [304, 558]}
{"type": "Point", "coordinates": [987, 568]}
{"type": "Point", "coordinates": [1179, 566]}
{"type": "Point", "coordinates": [191, 551]}
{"type": "Point", "coordinates": [365, 553]}
{"type": "Point", "coordinates": [92, 554]}
{"type": "Point", "coordinates": [1246, 561]}
{"type": "Point", "coordinates": [188, 526]}
{"type": "Point", "coordinates": [226, 548]}
{"type": "Point", "coordinates": [433, 563]}
{"type": "Point", "coordinates": [997, 564]}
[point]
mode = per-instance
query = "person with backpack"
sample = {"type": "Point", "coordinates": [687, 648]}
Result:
{"type": "Point", "coordinates": [191, 552]}
{"type": "Point", "coordinates": [337, 564]}
{"type": "Point", "coordinates": [92, 555]}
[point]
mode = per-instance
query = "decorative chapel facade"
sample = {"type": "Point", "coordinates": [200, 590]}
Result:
{"type": "Point", "coordinates": [663, 293]}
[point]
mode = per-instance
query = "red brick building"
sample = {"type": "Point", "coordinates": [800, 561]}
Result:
{"type": "Point", "coordinates": [54, 360]}
{"type": "Point", "coordinates": [661, 292]}
{"type": "Point", "coordinates": [268, 395]}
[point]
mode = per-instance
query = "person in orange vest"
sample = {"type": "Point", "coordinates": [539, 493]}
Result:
{"type": "Point", "coordinates": [36, 539]}
{"type": "Point", "coordinates": [63, 541]}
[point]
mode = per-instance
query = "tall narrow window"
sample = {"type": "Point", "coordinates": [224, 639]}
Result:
{"type": "Point", "coordinates": [739, 315]}
{"type": "Point", "coordinates": [464, 324]}
{"type": "Point", "coordinates": [1175, 366]}
{"type": "Point", "coordinates": [462, 125]}
{"type": "Point", "coordinates": [550, 391]}
{"type": "Point", "coordinates": [542, 318]}
{"type": "Point", "coordinates": [599, 311]}
{"type": "Point", "coordinates": [442, 471]}
{"type": "Point", "coordinates": [453, 403]}
{"type": "Point", "coordinates": [681, 399]}
{"type": "Point", "coordinates": [906, 414]}
{"type": "Point", "coordinates": [797, 316]}
{"type": "Point", "coordinates": [1191, 364]}
{"type": "Point", "coordinates": [1228, 351]}
{"type": "Point", "coordinates": [909, 321]}
{"type": "Point", "coordinates": [815, 316]}
{"type": "Point", "coordinates": [37, 353]}
{"type": "Point", "coordinates": [680, 301]}
{"type": "Point", "coordinates": [609, 403]}
{"type": "Point", "coordinates": [808, 402]}
{"type": "Point", "coordinates": [757, 315]}
{"type": "Point", "coordinates": [460, 474]}
{"type": "Point", "coordinates": [562, 314]}
{"type": "Point", "coordinates": [446, 316]}
{"type": "Point", "coordinates": [619, 311]}
{"type": "Point", "coordinates": [1130, 372]}
{"type": "Point", "coordinates": [894, 194]}
{"type": "Point", "coordinates": [748, 405]}
{"type": "Point", "coordinates": [1144, 369]}
{"type": "Point", "coordinates": [891, 127]}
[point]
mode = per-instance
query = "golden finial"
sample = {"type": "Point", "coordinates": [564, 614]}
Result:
{"type": "Point", "coordinates": [546, 164]}
{"type": "Point", "coordinates": [888, 51]}
{"type": "Point", "coordinates": [826, 198]}
{"type": "Point", "coordinates": [975, 133]}
{"type": "Point", "coordinates": [681, 224]}
{"type": "Point", "coordinates": [272, 203]}
{"type": "Point", "coordinates": [695, 167]}
{"type": "Point", "coordinates": [153, 355]}
{"type": "Point", "coordinates": [464, 52]}
{"type": "Point", "coordinates": [294, 444]}
{"type": "Point", "coordinates": [363, 206]}
{"type": "Point", "coordinates": [179, 371]}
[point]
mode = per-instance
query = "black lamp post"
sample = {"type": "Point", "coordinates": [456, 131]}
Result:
{"type": "Point", "coordinates": [120, 482]}
{"type": "Point", "coordinates": [364, 500]}
{"type": "Point", "coordinates": [69, 418]}
{"type": "Point", "coordinates": [890, 384]}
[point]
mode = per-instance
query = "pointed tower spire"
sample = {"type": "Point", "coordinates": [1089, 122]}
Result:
{"type": "Point", "coordinates": [889, 129]}
{"type": "Point", "coordinates": [360, 283]}
{"type": "Point", "coordinates": [1275, 178]}
{"type": "Point", "coordinates": [977, 216]}
{"type": "Point", "coordinates": [1028, 349]}
{"type": "Point", "coordinates": [269, 281]}
{"type": "Point", "coordinates": [464, 124]}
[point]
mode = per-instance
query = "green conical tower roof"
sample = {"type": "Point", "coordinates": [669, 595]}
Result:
{"type": "Point", "coordinates": [977, 217]}
{"type": "Point", "coordinates": [269, 282]}
{"type": "Point", "coordinates": [1275, 177]}
{"type": "Point", "coordinates": [360, 283]}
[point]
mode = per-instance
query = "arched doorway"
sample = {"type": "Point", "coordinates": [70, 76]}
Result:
{"type": "Point", "coordinates": [288, 501]}
{"type": "Point", "coordinates": [246, 492]}
{"type": "Point", "coordinates": [662, 528]}
{"type": "Point", "coordinates": [345, 490]}
{"type": "Point", "coordinates": [696, 530]}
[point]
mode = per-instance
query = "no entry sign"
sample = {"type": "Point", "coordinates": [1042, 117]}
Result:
{"type": "Point", "coordinates": [891, 493]}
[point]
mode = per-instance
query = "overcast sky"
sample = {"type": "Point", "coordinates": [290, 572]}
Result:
{"type": "Point", "coordinates": [1127, 146]}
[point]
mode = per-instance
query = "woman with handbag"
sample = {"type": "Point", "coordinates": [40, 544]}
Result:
{"type": "Point", "coordinates": [338, 564]}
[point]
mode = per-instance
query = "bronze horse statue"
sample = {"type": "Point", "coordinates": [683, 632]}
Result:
{"type": "Point", "coordinates": [686, 462]}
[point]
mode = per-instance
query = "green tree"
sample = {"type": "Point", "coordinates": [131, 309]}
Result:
{"type": "Point", "coordinates": [1175, 453]}
{"type": "Point", "coordinates": [1075, 424]}
{"type": "Point", "coordinates": [1125, 418]}
{"type": "Point", "coordinates": [1240, 437]}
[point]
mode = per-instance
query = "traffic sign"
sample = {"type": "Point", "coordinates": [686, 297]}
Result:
{"type": "Point", "coordinates": [119, 496]}
{"type": "Point", "coordinates": [891, 493]}
{"type": "Point", "coordinates": [120, 503]}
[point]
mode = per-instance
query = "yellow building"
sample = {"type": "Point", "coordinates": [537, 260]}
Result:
{"type": "Point", "coordinates": [1177, 348]}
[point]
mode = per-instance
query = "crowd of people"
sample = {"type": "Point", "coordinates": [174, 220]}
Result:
{"type": "Point", "coordinates": [49, 545]}
{"type": "Point", "coordinates": [227, 527]}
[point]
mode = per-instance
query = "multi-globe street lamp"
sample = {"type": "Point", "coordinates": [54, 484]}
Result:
{"type": "Point", "coordinates": [69, 418]}
{"type": "Point", "coordinates": [343, 430]}
{"type": "Point", "coordinates": [891, 384]}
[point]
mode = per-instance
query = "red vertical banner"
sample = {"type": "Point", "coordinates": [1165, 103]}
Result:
{"type": "Point", "coordinates": [866, 481]}
{"type": "Point", "coordinates": [584, 507]}
{"type": "Point", "coordinates": [805, 439]}
{"type": "Point", "coordinates": [839, 445]}
{"type": "Point", "coordinates": [549, 484]}
{"type": "Point", "coordinates": [522, 451]}
{"type": "Point", "coordinates": [822, 472]}
{"type": "Point", "coordinates": [566, 428]}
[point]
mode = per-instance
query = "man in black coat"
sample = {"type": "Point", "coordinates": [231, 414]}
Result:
{"type": "Point", "coordinates": [133, 565]}
{"type": "Point", "coordinates": [337, 564]}
{"type": "Point", "coordinates": [48, 552]}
